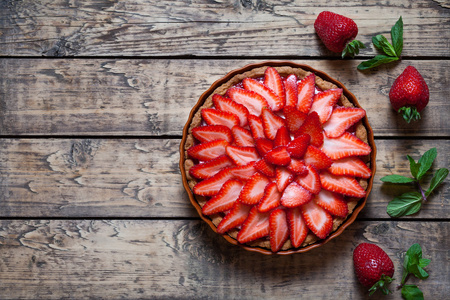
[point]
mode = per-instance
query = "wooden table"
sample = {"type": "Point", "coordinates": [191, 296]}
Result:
{"type": "Point", "coordinates": [93, 99]}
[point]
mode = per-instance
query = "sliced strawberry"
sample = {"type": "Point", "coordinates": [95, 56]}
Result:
{"type": "Point", "coordinates": [212, 185]}
{"type": "Point", "coordinates": [313, 128]}
{"type": "Point", "coordinates": [342, 119]}
{"type": "Point", "coordinates": [210, 168]}
{"type": "Point", "coordinates": [235, 217]}
{"type": "Point", "coordinates": [263, 145]}
{"type": "Point", "coordinates": [318, 220]}
{"type": "Point", "coordinates": [271, 123]}
{"type": "Point", "coordinates": [253, 190]}
{"type": "Point", "coordinates": [297, 226]}
{"type": "Point", "coordinates": [297, 166]}
{"type": "Point", "coordinates": [274, 101]}
{"type": "Point", "coordinates": [344, 185]}
{"type": "Point", "coordinates": [256, 126]}
{"type": "Point", "coordinates": [209, 150]}
{"type": "Point", "coordinates": [279, 229]}
{"type": "Point", "coordinates": [310, 181]}
{"type": "Point", "coordinates": [282, 138]}
{"type": "Point", "coordinates": [265, 168]}
{"type": "Point", "coordinates": [278, 156]}
{"type": "Point", "coordinates": [226, 104]}
{"type": "Point", "coordinates": [283, 178]}
{"type": "Point", "coordinates": [271, 198]}
{"type": "Point", "coordinates": [294, 195]}
{"type": "Point", "coordinates": [214, 116]}
{"type": "Point", "coordinates": [251, 100]}
{"type": "Point", "coordinates": [255, 226]}
{"type": "Point", "coordinates": [315, 157]}
{"type": "Point", "coordinates": [273, 81]}
{"type": "Point", "coordinates": [332, 203]}
{"type": "Point", "coordinates": [243, 172]}
{"type": "Point", "coordinates": [344, 146]}
{"type": "Point", "coordinates": [290, 85]}
{"type": "Point", "coordinates": [350, 166]}
{"type": "Point", "coordinates": [306, 89]}
{"type": "Point", "coordinates": [242, 137]}
{"type": "Point", "coordinates": [210, 133]}
{"type": "Point", "coordinates": [324, 102]}
{"type": "Point", "coordinates": [242, 155]}
{"type": "Point", "coordinates": [294, 118]}
{"type": "Point", "coordinates": [225, 198]}
{"type": "Point", "coordinates": [297, 147]}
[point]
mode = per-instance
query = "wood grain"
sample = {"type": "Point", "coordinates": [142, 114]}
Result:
{"type": "Point", "coordinates": [154, 97]}
{"type": "Point", "coordinates": [141, 178]}
{"type": "Point", "coordinates": [185, 260]}
{"type": "Point", "coordinates": [208, 28]}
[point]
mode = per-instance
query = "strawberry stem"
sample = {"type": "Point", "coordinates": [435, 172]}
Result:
{"type": "Point", "coordinates": [409, 113]}
{"type": "Point", "coordinates": [352, 48]}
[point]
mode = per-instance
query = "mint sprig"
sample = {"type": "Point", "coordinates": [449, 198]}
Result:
{"type": "Point", "coordinates": [392, 52]}
{"type": "Point", "coordinates": [413, 264]}
{"type": "Point", "coordinates": [411, 202]}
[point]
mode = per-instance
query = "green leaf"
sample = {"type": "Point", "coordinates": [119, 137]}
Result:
{"type": "Point", "coordinates": [352, 48]}
{"type": "Point", "coordinates": [418, 271]}
{"type": "Point", "coordinates": [426, 161]}
{"type": "Point", "coordinates": [413, 166]}
{"type": "Point", "coordinates": [405, 268]}
{"type": "Point", "coordinates": [437, 179]}
{"type": "Point", "coordinates": [397, 179]}
{"type": "Point", "coordinates": [414, 252]}
{"type": "Point", "coordinates": [376, 61]}
{"type": "Point", "coordinates": [397, 37]}
{"type": "Point", "coordinates": [412, 292]}
{"type": "Point", "coordinates": [416, 262]}
{"type": "Point", "coordinates": [404, 205]}
{"type": "Point", "coordinates": [423, 262]}
{"type": "Point", "coordinates": [381, 43]}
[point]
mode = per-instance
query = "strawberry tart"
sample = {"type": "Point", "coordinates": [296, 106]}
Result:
{"type": "Point", "coordinates": [278, 157]}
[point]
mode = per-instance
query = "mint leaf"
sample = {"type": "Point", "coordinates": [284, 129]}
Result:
{"type": "Point", "coordinates": [423, 262]}
{"type": "Point", "coordinates": [437, 179]}
{"type": "Point", "coordinates": [412, 292]}
{"type": "Point", "coordinates": [397, 37]}
{"type": "Point", "coordinates": [413, 166]}
{"type": "Point", "coordinates": [405, 268]}
{"type": "Point", "coordinates": [418, 272]}
{"type": "Point", "coordinates": [426, 161]}
{"type": "Point", "coordinates": [397, 179]}
{"type": "Point", "coordinates": [381, 43]}
{"type": "Point", "coordinates": [404, 205]}
{"type": "Point", "coordinates": [416, 262]}
{"type": "Point", "coordinates": [376, 61]}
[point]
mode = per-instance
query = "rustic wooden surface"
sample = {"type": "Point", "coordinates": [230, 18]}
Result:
{"type": "Point", "coordinates": [93, 99]}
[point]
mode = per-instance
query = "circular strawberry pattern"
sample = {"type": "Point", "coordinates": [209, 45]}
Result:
{"type": "Point", "coordinates": [278, 159]}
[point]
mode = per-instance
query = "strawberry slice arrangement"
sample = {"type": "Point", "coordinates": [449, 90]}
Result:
{"type": "Point", "coordinates": [277, 159]}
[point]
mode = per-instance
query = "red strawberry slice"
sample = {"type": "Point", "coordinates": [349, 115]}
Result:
{"type": "Point", "coordinates": [242, 155]}
{"type": "Point", "coordinates": [294, 118]}
{"type": "Point", "coordinates": [297, 166]}
{"type": "Point", "coordinates": [243, 172]}
{"type": "Point", "coordinates": [279, 229]}
{"type": "Point", "coordinates": [344, 185]}
{"type": "Point", "coordinates": [290, 85]}
{"type": "Point", "coordinates": [273, 81]}
{"type": "Point", "coordinates": [332, 203]}
{"type": "Point", "coordinates": [350, 166]}
{"type": "Point", "coordinates": [253, 190]}
{"type": "Point", "coordinates": [318, 220]}
{"type": "Point", "coordinates": [294, 195]}
{"type": "Point", "coordinates": [271, 123]}
{"type": "Point", "coordinates": [256, 126]}
{"type": "Point", "coordinates": [306, 90]}
{"type": "Point", "coordinates": [242, 137]}
{"type": "Point", "coordinates": [210, 168]}
{"type": "Point", "coordinates": [209, 150]}
{"type": "Point", "coordinates": [226, 104]}
{"type": "Point", "coordinates": [255, 226]}
{"type": "Point", "coordinates": [283, 177]}
{"type": "Point", "coordinates": [274, 101]}
{"type": "Point", "coordinates": [282, 138]}
{"type": "Point", "coordinates": [210, 133]}
{"type": "Point", "coordinates": [342, 119]}
{"type": "Point", "coordinates": [214, 116]}
{"type": "Point", "coordinates": [310, 181]}
{"type": "Point", "coordinates": [344, 146]}
{"type": "Point", "coordinates": [297, 147]}
{"type": "Point", "coordinates": [315, 157]}
{"type": "Point", "coordinates": [271, 198]}
{"type": "Point", "coordinates": [224, 200]}
{"type": "Point", "coordinates": [265, 168]}
{"type": "Point", "coordinates": [212, 185]}
{"type": "Point", "coordinates": [235, 217]}
{"type": "Point", "coordinates": [324, 102]}
{"type": "Point", "coordinates": [297, 226]}
{"type": "Point", "coordinates": [278, 156]}
{"type": "Point", "coordinates": [313, 128]}
{"type": "Point", "coordinates": [252, 101]}
{"type": "Point", "coordinates": [263, 145]}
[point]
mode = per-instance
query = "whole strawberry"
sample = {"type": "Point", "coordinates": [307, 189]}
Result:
{"type": "Point", "coordinates": [338, 33]}
{"type": "Point", "coordinates": [373, 267]}
{"type": "Point", "coordinates": [409, 94]}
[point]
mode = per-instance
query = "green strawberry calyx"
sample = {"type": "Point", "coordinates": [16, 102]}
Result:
{"type": "Point", "coordinates": [352, 48]}
{"type": "Point", "coordinates": [381, 285]}
{"type": "Point", "coordinates": [409, 113]}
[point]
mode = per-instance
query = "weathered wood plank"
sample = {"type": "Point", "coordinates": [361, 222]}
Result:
{"type": "Point", "coordinates": [208, 28]}
{"type": "Point", "coordinates": [141, 178]}
{"type": "Point", "coordinates": [186, 260]}
{"type": "Point", "coordinates": [154, 97]}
